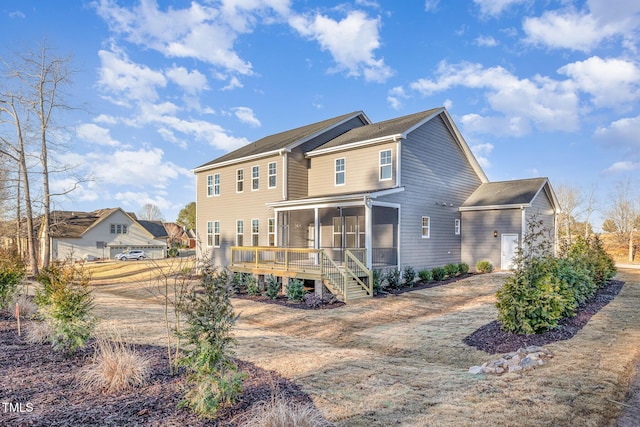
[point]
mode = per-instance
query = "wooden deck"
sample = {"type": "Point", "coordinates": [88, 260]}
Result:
{"type": "Point", "coordinates": [347, 280]}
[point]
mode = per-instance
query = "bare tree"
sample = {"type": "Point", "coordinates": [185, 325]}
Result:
{"type": "Point", "coordinates": [590, 202]}
{"type": "Point", "coordinates": [150, 212]}
{"type": "Point", "coordinates": [624, 211]}
{"type": "Point", "coordinates": [569, 198]}
{"type": "Point", "coordinates": [32, 98]}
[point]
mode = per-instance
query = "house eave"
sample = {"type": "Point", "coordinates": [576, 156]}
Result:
{"type": "Point", "coordinates": [335, 199]}
{"type": "Point", "coordinates": [494, 207]}
{"type": "Point", "coordinates": [277, 152]}
{"type": "Point", "coordinates": [359, 144]}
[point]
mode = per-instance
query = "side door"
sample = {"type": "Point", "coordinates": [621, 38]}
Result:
{"type": "Point", "coordinates": [508, 248]}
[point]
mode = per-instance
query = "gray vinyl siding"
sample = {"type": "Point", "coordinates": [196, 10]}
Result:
{"type": "Point", "coordinates": [298, 164]}
{"type": "Point", "coordinates": [434, 170]}
{"type": "Point", "coordinates": [478, 243]}
{"type": "Point", "coordinates": [543, 209]}
{"type": "Point", "coordinates": [231, 206]}
{"type": "Point", "coordinates": [361, 171]}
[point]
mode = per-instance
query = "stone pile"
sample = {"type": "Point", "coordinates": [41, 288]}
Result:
{"type": "Point", "coordinates": [524, 358]}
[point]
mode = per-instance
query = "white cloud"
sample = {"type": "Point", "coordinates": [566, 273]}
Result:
{"type": "Point", "coordinates": [611, 82]}
{"type": "Point", "coordinates": [584, 30]}
{"type": "Point", "coordinates": [495, 7]}
{"type": "Point", "coordinates": [201, 31]}
{"type": "Point", "coordinates": [351, 42]}
{"type": "Point", "coordinates": [486, 41]}
{"type": "Point", "coordinates": [124, 78]}
{"type": "Point", "coordinates": [395, 97]}
{"type": "Point", "coordinates": [191, 81]}
{"type": "Point", "coordinates": [550, 105]}
{"type": "Point", "coordinates": [134, 200]}
{"type": "Point", "coordinates": [96, 134]}
{"type": "Point", "coordinates": [246, 115]}
{"type": "Point", "coordinates": [621, 167]}
{"type": "Point", "coordinates": [431, 5]}
{"type": "Point", "coordinates": [481, 153]}
{"type": "Point", "coordinates": [623, 132]}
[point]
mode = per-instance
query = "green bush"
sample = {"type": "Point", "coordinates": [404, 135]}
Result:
{"type": "Point", "coordinates": [65, 303]}
{"type": "Point", "coordinates": [425, 275]}
{"type": "Point", "coordinates": [451, 270]}
{"type": "Point", "coordinates": [438, 273]}
{"type": "Point", "coordinates": [173, 252]}
{"type": "Point", "coordinates": [295, 290]}
{"type": "Point", "coordinates": [529, 307]}
{"type": "Point", "coordinates": [484, 267]}
{"type": "Point", "coordinates": [378, 277]}
{"type": "Point", "coordinates": [273, 287]}
{"type": "Point", "coordinates": [12, 271]}
{"type": "Point", "coordinates": [252, 285]}
{"type": "Point", "coordinates": [576, 284]}
{"type": "Point", "coordinates": [393, 278]}
{"type": "Point", "coordinates": [213, 380]}
{"type": "Point", "coordinates": [409, 275]}
{"type": "Point", "coordinates": [463, 268]}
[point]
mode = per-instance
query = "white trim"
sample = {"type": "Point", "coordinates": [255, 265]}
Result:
{"type": "Point", "coordinates": [210, 186]}
{"type": "Point", "coordinates": [352, 145]}
{"type": "Point", "coordinates": [252, 178]}
{"type": "Point", "coordinates": [285, 172]}
{"type": "Point", "coordinates": [269, 186]}
{"type": "Point", "coordinates": [333, 200]}
{"type": "Point", "coordinates": [494, 207]}
{"type": "Point", "coordinates": [380, 165]}
{"type": "Point", "coordinates": [457, 226]}
{"type": "Point", "coordinates": [398, 163]}
{"type": "Point", "coordinates": [463, 144]}
{"type": "Point", "coordinates": [210, 245]}
{"type": "Point", "coordinates": [214, 233]}
{"type": "Point", "coordinates": [428, 236]}
{"type": "Point", "coordinates": [219, 184]}
{"type": "Point", "coordinates": [237, 234]}
{"type": "Point", "coordinates": [336, 172]}
{"type": "Point", "coordinates": [253, 233]}
{"type": "Point", "coordinates": [238, 180]}
{"type": "Point", "coordinates": [278, 152]}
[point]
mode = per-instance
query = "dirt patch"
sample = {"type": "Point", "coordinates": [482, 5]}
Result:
{"type": "Point", "coordinates": [41, 388]}
{"type": "Point", "coordinates": [492, 339]}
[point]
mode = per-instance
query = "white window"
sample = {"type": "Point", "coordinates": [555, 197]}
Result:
{"type": "Point", "coordinates": [456, 226]}
{"type": "Point", "coordinates": [209, 185]}
{"type": "Point", "coordinates": [216, 184]}
{"type": "Point", "coordinates": [385, 165]}
{"type": "Point", "coordinates": [337, 232]}
{"type": "Point", "coordinates": [255, 178]}
{"type": "Point", "coordinates": [239, 180]}
{"type": "Point", "coordinates": [255, 232]}
{"type": "Point", "coordinates": [340, 171]}
{"type": "Point", "coordinates": [118, 228]}
{"type": "Point", "coordinates": [273, 170]}
{"type": "Point", "coordinates": [239, 232]}
{"type": "Point", "coordinates": [216, 234]}
{"type": "Point", "coordinates": [209, 233]}
{"type": "Point", "coordinates": [272, 232]}
{"type": "Point", "coordinates": [426, 227]}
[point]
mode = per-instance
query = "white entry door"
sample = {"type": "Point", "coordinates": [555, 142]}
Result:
{"type": "Point", "coordinates": [508, 248]}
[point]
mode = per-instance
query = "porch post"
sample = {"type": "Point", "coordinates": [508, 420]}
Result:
{"type": "Point", "coordinates": [316, 234]}
{"type": "Point", "coordinates": [368, 231]}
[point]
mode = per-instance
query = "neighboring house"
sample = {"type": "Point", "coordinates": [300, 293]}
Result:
{"type": "Point", "coordinates": [179, 236]}
{"type": "Point", "coordinates": [103, 234]}
{"type": "Point", "coordinates": [392, 194]}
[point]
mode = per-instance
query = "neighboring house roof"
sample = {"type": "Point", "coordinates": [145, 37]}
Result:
{"type": "Point", "coordinates": [283, 140]}
{"type": "Point", "coordinates": [508, 194]}
{"type": "Point", "coordinates": [74, 224]}
{"type": "Point", "coordinates": [156, 228]}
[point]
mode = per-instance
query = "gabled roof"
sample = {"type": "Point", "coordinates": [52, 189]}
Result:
{"type": "Point", "coordinates": [282, 141]}
{"type": "Point", "coordinates": [156, 228]}
{"type": "Point", "coordinates": [387, 129]}
{"type": "Point", "coordinates": [508, 194]}
{"type": "Point", "coordinates": [73, 224]}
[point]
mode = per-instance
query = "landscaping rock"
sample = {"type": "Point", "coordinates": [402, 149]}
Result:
{"type": "Point", "coordinates": [524, 358]}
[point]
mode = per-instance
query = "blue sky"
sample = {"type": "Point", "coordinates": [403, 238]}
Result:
{"type": "Point", "coordinates": [537, 88]}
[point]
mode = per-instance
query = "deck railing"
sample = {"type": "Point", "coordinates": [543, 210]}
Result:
{"type": "Point", "coordinates": [306, 261]}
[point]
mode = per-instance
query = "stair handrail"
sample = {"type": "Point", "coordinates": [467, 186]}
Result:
{"type": "Point", "coordinates": [367, 287]}
{"type": "Point", "coordinates": [339, 273]}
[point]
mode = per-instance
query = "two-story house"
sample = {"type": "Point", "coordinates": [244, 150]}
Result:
{"type": "Point", "coordinates": [361, 195]}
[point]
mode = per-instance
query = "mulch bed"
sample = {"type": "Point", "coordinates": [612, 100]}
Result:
{"type": "Point", "coordinates": [38, 388]}
{"type": "Point", "coordinates": [492, 339]}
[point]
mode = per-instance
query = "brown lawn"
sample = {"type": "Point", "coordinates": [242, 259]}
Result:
{"type": "Point", "coordinates": [400, 360]}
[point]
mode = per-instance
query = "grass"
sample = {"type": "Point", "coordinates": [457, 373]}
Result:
{"type": "Point", "coordinates": [116, 365]}
{"type": "Point", "coordinates": [281, 413]}
{"type": "Point", "coordinates": [400, 360]}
